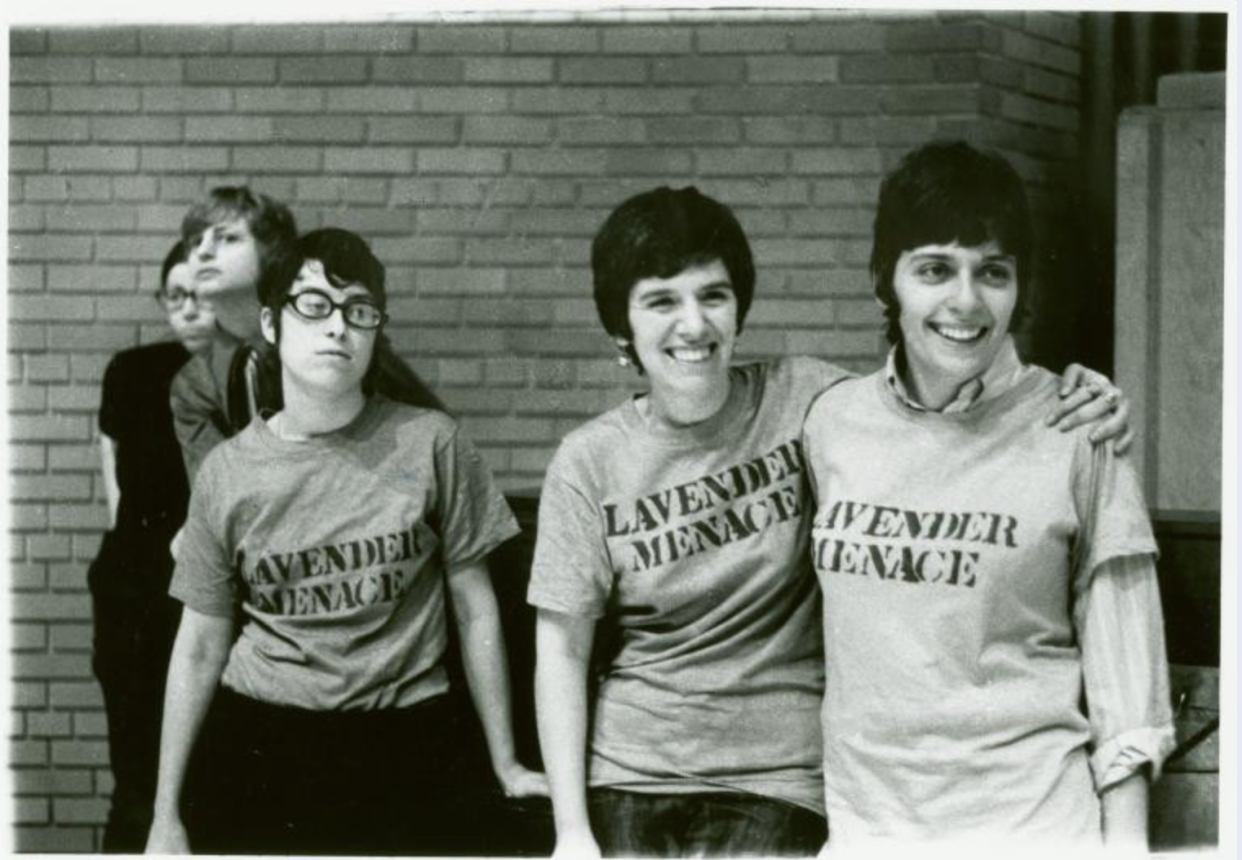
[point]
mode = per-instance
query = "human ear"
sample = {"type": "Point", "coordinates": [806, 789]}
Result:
{"type": "Point", "coordinates": [267, 322]}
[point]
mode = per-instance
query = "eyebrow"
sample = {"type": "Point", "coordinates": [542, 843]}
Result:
{"type": "Point", "coordinates": [660, 291]}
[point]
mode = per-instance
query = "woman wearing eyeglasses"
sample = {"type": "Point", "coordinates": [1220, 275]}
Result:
{"type": "Point", "coordinates": [308, 670]}
{"type": "Point", "coordinates": [145, 485]}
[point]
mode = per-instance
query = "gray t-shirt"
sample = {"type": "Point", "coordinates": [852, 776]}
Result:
{"type": "Point", "coordinates": [951, 549]}
{"type": "Point", "coordinates": [691, 547]}
{"type": "Point", "coordinates": [335, 551]}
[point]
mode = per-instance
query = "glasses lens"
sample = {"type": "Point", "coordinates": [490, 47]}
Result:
{"type": "Point", "coordinates": [312, 305]}
{"type": "Point", "coordinates": [363, 315]}
{"type": "Point", "coordinates": [174, 298]}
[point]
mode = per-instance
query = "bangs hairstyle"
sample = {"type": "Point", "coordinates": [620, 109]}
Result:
{"type": "Point", "coordinates": [346, 258]}
{"type": "Point", "coordinates": [942, 193]}
{"type": "Point", "coordinates": [270, 222]}
{"type": "Point", "coordinates": [659, 234]}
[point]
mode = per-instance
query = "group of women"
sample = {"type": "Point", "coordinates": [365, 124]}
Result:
{"type": "Point", "coordinates": [986, 661]}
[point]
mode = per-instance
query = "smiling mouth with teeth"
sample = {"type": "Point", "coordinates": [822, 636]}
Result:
{"type": "Point", "coordinates": [692, 354]}
{"type": "Point", "coordinates": [959, 333]}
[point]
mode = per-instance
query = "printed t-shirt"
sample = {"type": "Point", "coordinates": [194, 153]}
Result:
{"type": "Point", "coordinates": [950, 549]}
{"type": "Point", "coordinates": [335, 550]}
{"type": "Point", "coordinates": [691, 546]}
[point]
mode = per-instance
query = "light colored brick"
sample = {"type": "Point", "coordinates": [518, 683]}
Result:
{"type": "Point", "coordinates": [322, 70]}
{"type": "Point", "coordinates": [751, 39]}
{"type": "Point", "coordinates": [80, 810]}
{"type": "Point", "coordinates": [182, 40]}
{"type": "Point", "coordinates": [283, 39]}
{"type": "Point", "coordinates": [48, 725]}
{"type": "Point", "coordinates": [368, 39]}
{"type": "Point", "coordinates": [71, 636]}
{"type": "Point", "coordinates": [75, 694]}
{"type": "Point", "coordinates": [59, 129]}
{"type": "Point", "coordinates": [602, 70]}
{"type": "Point", "coordinates": [187, 100]}
{"type": "Point", "coordinates": [50, 70]}
{"type": "Point", "coordinates": [698, 70]}
{"type": "Point", "coordinates": [414, 129]}
{"type": "Point", "coordinates": [94, 99]}
{"type": "Point", "coordinates": [232, 129]}
{"type": "Point", "coordinates": [41, 781]}
{"type": "Point", "coordinates": [506, 130]}
{"type": "Point", "coordinates": [284, 159]}
{"type": "Point", "coordinates": [368, 160]}
{"type": "Point", "coordinates": [373, 100]}
{"type": "Point", "coordinates": [463, 100]}
{"type": "Point", "coordinates": [137, 70]}
{"type": "Point", "coordinates": [187, 159]}
{"type": "Point", "coordinates": [554, 39]}
{"type": "Point", "coordinates": [31, 810]}
{"type": "Point", "coordinates": [460, 39]}
{"type": "Point", "coordinates": [633, 39]}
{"type": "Point", "coordinates": [230, 70]}
{"type": "Point", "coordinates": [508, 70]}
{"type": "Point", "coordinates": [54, 840]}
{"type": "Point", "coordinates": [93, 41]}
{"type": "Point", "coordinates": [27, 159]}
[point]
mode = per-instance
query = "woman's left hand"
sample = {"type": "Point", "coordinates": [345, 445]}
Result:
{"type": "Point", "coordinates": [1089, 396]}
{"type": "Point", "coordinates": [519, 781]}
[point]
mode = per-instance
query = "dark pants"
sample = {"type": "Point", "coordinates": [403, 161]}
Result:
{"type": "Point", "coordinates": [266, 779]}
{"type": "Point", "coordinates": [718, 824]}
{"type": "Point", "coordinates": [133, 637]}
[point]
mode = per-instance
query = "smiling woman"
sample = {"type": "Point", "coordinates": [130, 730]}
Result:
{"type": "Point", "coordinates": [344, 531]}
{"type": "Point", "coordinates": [995, 662]}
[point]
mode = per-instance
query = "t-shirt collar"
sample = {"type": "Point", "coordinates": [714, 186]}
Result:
{"type": "Point", "coordinates": [996, 380]}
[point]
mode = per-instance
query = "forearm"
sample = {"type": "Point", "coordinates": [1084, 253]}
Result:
{"type": "Point", "coordinates": [561, 716]}
{"type": "Point", "coordinates": [486, 664]}
{"type": "Point", "coordinates": [112, 490]}
{"type": "Point", "coordinates": [193, 673]}
{"type": "Point", "coordinates": [1124, 807]}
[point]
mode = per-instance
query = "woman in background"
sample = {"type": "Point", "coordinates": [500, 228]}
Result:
{"type": "Point", "coordinates": [145, 484]}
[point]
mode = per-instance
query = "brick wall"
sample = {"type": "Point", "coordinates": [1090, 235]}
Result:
{"type": "Point", "coordinates": [479, 159]}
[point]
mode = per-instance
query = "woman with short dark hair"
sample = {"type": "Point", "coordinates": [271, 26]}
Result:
{"type": "Point", "coordinates": [992, 626]}
{"type": "Point", "coordinates": [325, 549]}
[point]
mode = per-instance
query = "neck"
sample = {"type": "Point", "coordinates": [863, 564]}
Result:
{"type": "Point", "coordinates": [306, 414]}
{"type": "Point", "coordinates": [933, 394]}
{"type": "Point", "coordinates": [681, 408]}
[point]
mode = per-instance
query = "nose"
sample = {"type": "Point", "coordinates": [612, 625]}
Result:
{"type": "Point", "coordinates": [189, 307]}
{"type": "Point", "coordinates": [334, 323]}
{"type": "Point", "coordinates": [205, 247]}
{"type": "Point", "coordinates": [691, 322]}
{"type": "Point", "coordinates": [965, 297]}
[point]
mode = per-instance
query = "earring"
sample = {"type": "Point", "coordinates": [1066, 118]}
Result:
{"type": "Point", "coordinates": [624, 360]}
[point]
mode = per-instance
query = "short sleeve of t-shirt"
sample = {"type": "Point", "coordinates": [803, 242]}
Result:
{"type": "Point", "coordinates": [474, 517]}
{"type": "Point", "coordinates": [571, 572]}
{"type": "Point", "coordinates": [203, 578]}
{"type": "Point", "coordinates": [111, 412]}
{"type": "Point", "coordinates": [1110, 506]}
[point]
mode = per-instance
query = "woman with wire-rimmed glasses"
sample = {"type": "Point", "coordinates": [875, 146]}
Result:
{"type": "Point", "coordinates": [321, 548]}
{"type": "Point", "coordinates": [146, 491]}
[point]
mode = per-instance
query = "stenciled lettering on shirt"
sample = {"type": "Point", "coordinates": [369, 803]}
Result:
{"type": "Point", "coordinates": [711, 511]}
{"type": "Point", "coordinates": [344, 576]}
{"type": "Point", "coordinates": [911, 546]}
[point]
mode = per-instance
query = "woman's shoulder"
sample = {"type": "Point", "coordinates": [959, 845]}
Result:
{"type": "Point", "coordinates": [798, 377]}
{"type": "Point", "coordinates": [410, 418]}
{"type": "Point", "coordinates": [845, 397]}
{"type": "Point", "coordinates": [161, 359]}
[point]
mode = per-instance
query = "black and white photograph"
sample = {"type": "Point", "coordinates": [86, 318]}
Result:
{"type": "Point", "coordinates": [621, 430]}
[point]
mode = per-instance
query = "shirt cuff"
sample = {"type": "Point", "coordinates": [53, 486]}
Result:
{"type": "Point", "coordinates": [1122, 755]}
